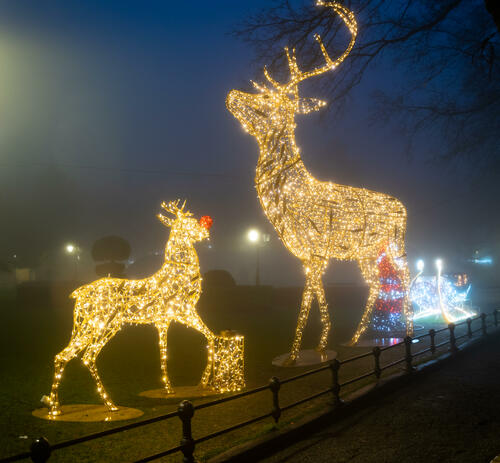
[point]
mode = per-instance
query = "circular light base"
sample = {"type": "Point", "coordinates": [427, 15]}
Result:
{"type": "Point", "coordinates": [180, 393]}
{"type": "Point", "coordinates": [87, 413]}
{"type": "Point", "coordinates": [305, 358]}
{"type": "Point", "coordinates": [418, 327]}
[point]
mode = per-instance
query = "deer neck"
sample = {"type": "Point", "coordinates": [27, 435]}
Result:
{"type": "Point", "coordinates": [279, 155]}
{"type": "Point", "coordinates": [178, 252]}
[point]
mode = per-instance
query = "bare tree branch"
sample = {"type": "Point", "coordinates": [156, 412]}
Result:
{"type": "Point", "coordinates": [448, 52]}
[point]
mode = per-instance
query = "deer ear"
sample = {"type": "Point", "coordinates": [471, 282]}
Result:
{"type": "Point", "coordinates": [165, 220]}
{"type": "Point", "coordinates": [308, 105]}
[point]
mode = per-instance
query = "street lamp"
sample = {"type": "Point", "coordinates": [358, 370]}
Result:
{"type": "Point", "coordinates": [258, 240]}
{"type": "Point", "coordinates": [253, 235]}
{"type": "Point", "coordinates": [73, 250]}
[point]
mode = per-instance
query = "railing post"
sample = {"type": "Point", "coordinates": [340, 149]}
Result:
{"type": "Point", "coordinates": [408, 354]}
{"type": "Point", "coordinates": [186, 412]}
{"type": "Point", "coordinates": [376, 358]}
{"type": "Point", "coordinates": [432, 335]}
{"type": "Point", "coordinates": [40, 450]}
{"type": "Point", "coordinates": [483, 324]}
{"type": "Point", "coordinates": [495, 317]}
{"type": "Point", "coordinates": [469, 327]}
{"type": "Point", "coordinates": [453, 341]}
{"type": "Point", "coordinates": [275, 385]}
{"type": "Point", "coordinates": [334, 368]}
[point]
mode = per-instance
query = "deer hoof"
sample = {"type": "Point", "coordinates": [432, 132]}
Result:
{"type": "Point", "coordinates": [54, 412]}
{"type": "Point", "coordinates": [290, 361]}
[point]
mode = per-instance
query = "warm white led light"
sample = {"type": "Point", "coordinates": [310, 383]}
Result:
{"type": "Point", "coordinates": [103, 307]}
{"type": "Point", "coordinates": [317, 220]}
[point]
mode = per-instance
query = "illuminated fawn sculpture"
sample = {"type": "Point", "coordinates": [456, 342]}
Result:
{"type": "Point", "coordinates": [317, 220]}
{"type": "Point", "coordinates": [103, 307]}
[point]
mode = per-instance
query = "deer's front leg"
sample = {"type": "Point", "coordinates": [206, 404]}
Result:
{"type": "Point", "coordinates": [325, 316]}
{"type": "Point", "coordinates": [305, 306]}
{"type": "Point", "coordinates": [162, 331]}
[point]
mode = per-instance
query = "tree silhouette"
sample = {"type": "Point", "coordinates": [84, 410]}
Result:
{"type": "Point", "coordinates": [110, 249]}
{"type": "Point", "coordinates": [448, 51]}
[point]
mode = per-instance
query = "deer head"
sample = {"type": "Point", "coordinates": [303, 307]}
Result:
{"type": "Point", "coordinates": [184, 225]}
{"type": "Point", "coordinates": [276, 104]}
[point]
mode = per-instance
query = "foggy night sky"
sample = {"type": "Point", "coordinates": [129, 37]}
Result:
{"type": "Point", "coordinates": [109, 108]}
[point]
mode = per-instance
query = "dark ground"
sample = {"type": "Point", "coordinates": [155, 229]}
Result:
{"type": "Point", "coordinates": [36, 324]}
{"type": "Point", "coordinates": [450, 415]}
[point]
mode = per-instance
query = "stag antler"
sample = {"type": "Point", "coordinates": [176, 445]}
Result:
{"type": "Point", "coordinates": [296, 75]}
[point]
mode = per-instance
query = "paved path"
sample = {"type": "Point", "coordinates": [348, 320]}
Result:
{"type": "Point", "coordinates": [450, 415]}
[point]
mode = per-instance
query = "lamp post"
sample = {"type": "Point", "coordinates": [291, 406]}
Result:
{"type": "Point", "coordinates": [73, 250]}
{"type": "Point", "coordinates": [258, 240]}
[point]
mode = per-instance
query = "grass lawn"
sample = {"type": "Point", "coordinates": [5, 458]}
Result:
{"type": "Point", "coordinates": [35, 327]}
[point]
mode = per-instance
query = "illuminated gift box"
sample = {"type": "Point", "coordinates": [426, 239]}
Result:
{"type": "Point", "coordinates": [228, 361]}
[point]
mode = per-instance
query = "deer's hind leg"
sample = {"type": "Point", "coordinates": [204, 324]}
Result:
{"type": "Point", "coordinates": [399, 259]}
{"type": "Point", "coordinates": [194, 321]}
{"type": "Point", "coordinates": [370, 272]}
{"type": "Point", "coordinates": [89, 360]}
{"type": "Point", "coordinates": [207, 373]}
{"type": "Point", "coordinates": [74, 347]}
{"type": "Point", "coordinates": [162, 332]}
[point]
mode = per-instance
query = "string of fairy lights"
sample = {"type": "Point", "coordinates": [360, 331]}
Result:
{"type": "Point", "coordinates": [438, 296]}
{"type": "Point", "coordinates": [103, 307]}
{"type": "Point", "coordinates": [317, 221]}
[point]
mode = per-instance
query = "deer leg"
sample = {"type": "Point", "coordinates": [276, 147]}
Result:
{"type": "Point", "coordinates": [325, 316]}
{"type": "Point", "coordinates": [197, 323]}
{"type": "Point", "coordinates": [207, 373]}
{"type": "Point", "coordinates": [398, 257]}
{"type": "Point", "coordinates": [162, 331]}
{"type": "Point", "coordinates": [305, 306]}
{"type": "Point", "coordinates": [369, 270]}
{"type": "Point", "coordinates": [60, 361]}
{"type": "Point", "coordinates": [89, 360]}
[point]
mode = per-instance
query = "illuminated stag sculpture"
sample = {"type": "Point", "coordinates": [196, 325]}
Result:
{"type": "Point", "coordinates": [103, 307]}
{"type": "Point", "coordinates": [318, 220]}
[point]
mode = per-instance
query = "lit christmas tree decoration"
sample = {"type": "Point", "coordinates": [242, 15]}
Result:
{"type": "Point", "coordinates": [316, 220]}
{"type": "Point", "coordinates": [388, 317]}
{"type": "Point", "coordinates": [103, 307]}
{"type": "Point", "coordinates": [438, 296]}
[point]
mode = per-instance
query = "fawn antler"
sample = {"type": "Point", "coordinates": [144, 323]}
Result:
{"type": "Point", "coordinates": [297, 76]}
{"type": "Point", "coordinates": [173, 208]}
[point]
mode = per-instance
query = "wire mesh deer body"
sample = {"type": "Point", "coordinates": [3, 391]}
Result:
{"type": "Point", "coordinates": [317, 220]}
{"type": "Point", "coordinates": [103, 307]}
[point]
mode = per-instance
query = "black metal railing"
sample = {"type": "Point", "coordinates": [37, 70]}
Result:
{"type": "Point", "coordinates": [41, 449]}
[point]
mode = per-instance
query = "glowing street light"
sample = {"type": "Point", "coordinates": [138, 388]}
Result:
{"type": "Point", "coordinates": [253, 235]}
{"type": "Point", "coordinates": [420, 265]}
{"type": "Point", "coordinates": [258, 240]}
{"type": "Point", "coordinates": [73, 250]}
